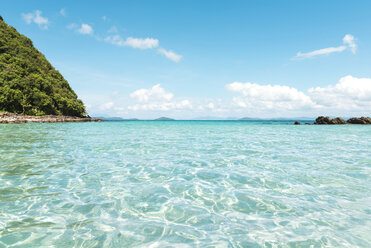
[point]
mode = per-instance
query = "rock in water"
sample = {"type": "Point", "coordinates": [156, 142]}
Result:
{"type": "Point", "coordinates": [29, 84]}
{"type": "Point", "coordinates": [322, 120]}
{"type": "Point", "coordinates": [338, 121]}
{"type": "Point", "coordinates": [325, 120]}
{"type": "Point", "coordinates": [296, 123]}
{"type": "Point", "coordinates": [361, 120]}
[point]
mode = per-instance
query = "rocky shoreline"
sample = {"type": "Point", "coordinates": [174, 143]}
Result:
{"type": "Point", "coordinates": [19, 118]}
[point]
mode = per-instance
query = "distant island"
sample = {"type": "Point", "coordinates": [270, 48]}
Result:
{"type": "Point", "coordinates": [246, 119]}
{"type": "Point", "coordinates": [30, 85]}
{"type": "Point", "coordinates": [164, 119]}
{"type": "Point", "coordinates": [276, 119]}
{"type": "Point", "coordinates": [105, 118]}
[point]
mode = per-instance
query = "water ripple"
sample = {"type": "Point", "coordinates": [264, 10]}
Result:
{"type": "Point", "coordinates": [184, 184]}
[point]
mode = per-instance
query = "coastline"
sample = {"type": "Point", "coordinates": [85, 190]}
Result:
{"type": "Point", "coordinates": [19, 118]}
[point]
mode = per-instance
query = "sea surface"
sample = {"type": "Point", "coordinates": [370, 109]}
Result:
{"type": "Point", "coordinates": [185, 184]}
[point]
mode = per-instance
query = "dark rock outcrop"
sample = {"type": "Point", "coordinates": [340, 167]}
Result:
{"type": "Point", "coordinates": [338, 121]}
{"type": "Point", "coordinates": [361, 120]}
{"type": "Point", "coordinates": [296, 123]}
{"type": "Point", "coordinates": [325, 120]}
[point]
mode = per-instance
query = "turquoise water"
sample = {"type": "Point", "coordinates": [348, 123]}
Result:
{"type": "Point", "coordinates": [184, 184]}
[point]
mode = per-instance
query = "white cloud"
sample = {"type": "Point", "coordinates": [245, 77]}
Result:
{"type": "Point", "coordinates": [147, 43]}
{"type": "Point", "coordinates": [323, 51]}
{"type": "Point", "coordinates": [36, 17]}
{"type": "Point", "coordinates": [157, 99]}
{"type": "Point", "coordinates": [348, 41]}
{"type": "Point", "coordinates": [85, 29]}
{"type": "Point", "coordinates": [113, 29]}
{"type": "Point", "coordinates": [210, 105]}
{"type": "Point", "coordinates": [162, 106]}
{"type": "Point", "coordinates": [154, 93]}
{"type": "Point", "coordinates": [72, 26]}
{"type": "Point", "coordinates": [115, 40]}
{"type": "Point", "coordinates": [106, 106]}
{"type": "Point", "coordinates": [350, 94]}
{"type": "Point", "coordinates": [63, 12]}
{"type": "Point", "coordinates": [28, 18]}
{"type": "Point", "coordinates": [268, 96]}
{"type": "Point", "coordinates": [170, 55]}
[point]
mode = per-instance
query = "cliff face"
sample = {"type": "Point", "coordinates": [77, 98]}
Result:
{"type": "Point", "coordinates": [29, 84]}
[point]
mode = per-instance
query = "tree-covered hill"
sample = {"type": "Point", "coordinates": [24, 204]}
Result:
{"type": "Point", "coordinates": [29, 84]}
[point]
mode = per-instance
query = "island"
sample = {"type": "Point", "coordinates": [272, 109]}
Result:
{"type": "Point", "coordinates": [31, 89]}
{"type": "Point", "coordinates": [164, 119]}
{"type": "Point", "coordinates": [247, 119]}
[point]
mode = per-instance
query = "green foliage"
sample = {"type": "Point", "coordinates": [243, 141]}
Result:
{"type": "Point", "coordinates": [29, 84]}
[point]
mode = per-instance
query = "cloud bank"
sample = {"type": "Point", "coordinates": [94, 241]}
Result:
{"type": "Point", "coordinates": [349, 95]}
{"type": "Point", "coordinates": [268, 96]}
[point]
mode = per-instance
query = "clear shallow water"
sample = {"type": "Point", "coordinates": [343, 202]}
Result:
{"type": "Point", "coordinates": [184, 184]}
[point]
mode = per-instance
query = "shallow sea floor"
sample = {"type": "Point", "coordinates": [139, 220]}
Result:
{"type": "Point", "coordinates": [184, 184]}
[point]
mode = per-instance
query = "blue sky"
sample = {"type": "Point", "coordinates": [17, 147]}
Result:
{"type": "Point", "coordinates": [189, 59]}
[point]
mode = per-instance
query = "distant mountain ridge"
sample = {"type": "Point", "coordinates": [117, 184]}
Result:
{"type": "Point", "coordinates": [164, 119]}
{"type": "Point", "coordinates": [277, 119]}
{"type": "Point", "coordinates": [110, 118]}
